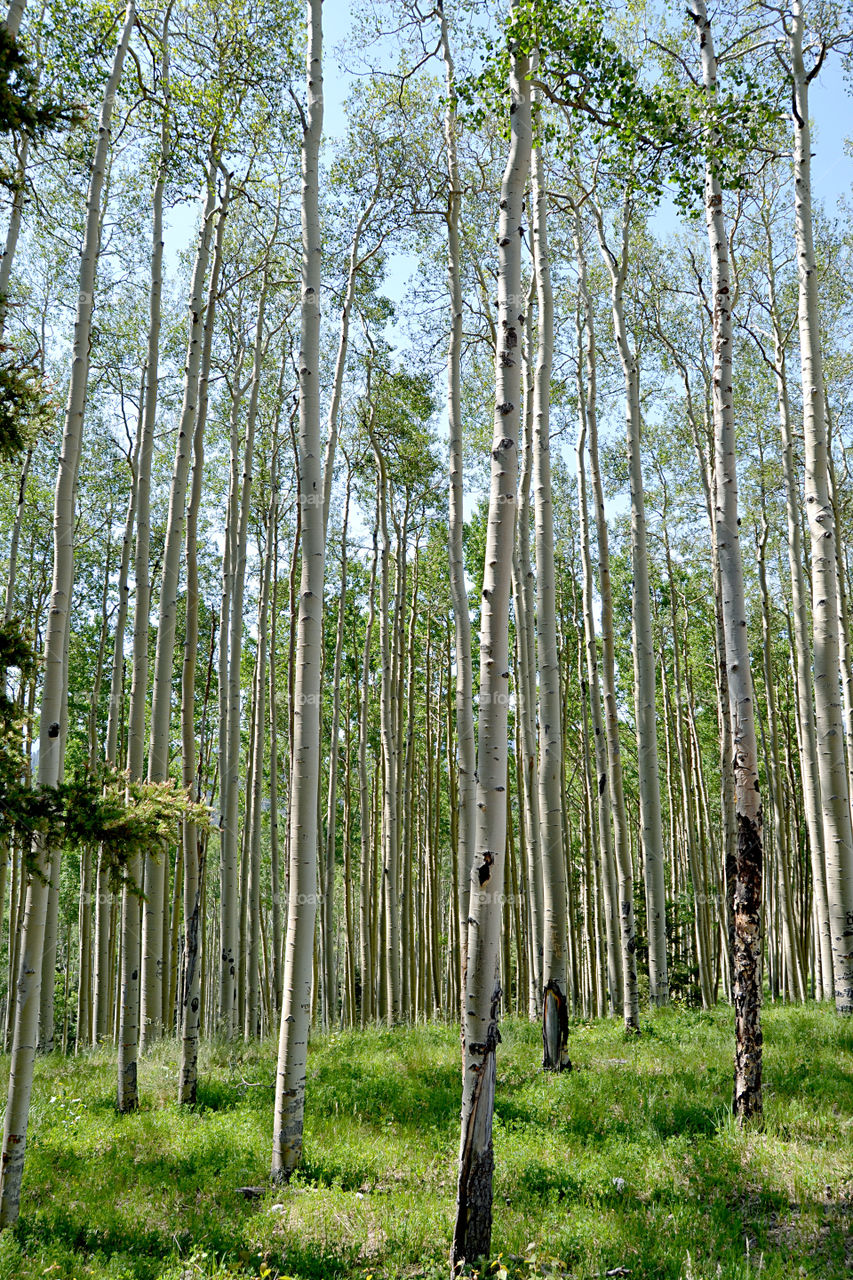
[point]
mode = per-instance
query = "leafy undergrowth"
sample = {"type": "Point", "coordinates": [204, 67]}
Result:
{"type": "Point", "coordinates": [627, 1166]}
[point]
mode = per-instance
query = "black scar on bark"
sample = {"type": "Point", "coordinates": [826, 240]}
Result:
{"type": "Point", "coordinates": [747, 1098]}
{"type": "Point", "coordinates": [555, 1028]}
{"type": "Point", "coordinates": [485, 871]}
{"type": "Point", "coordinates": [472, 1234]}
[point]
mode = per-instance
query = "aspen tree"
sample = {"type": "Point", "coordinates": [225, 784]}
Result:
{"type": "Point", "coordinates": [13, 230]}
{"type": "Point", "coordinates": [305, 772]}
{"type": "Point", "coordinates": [555, 922]}
{"type": "Point", "coordinates": [84, 912]}
{"type": "Point", "coordinates": [252, 849]}
{"type": "Point", "coordinates": [14, 540]}
{"type": "Point", "coordinates": [599, 737]}
{"type": "Point", "coordinates": [130, 938]}
{"type": "Point", "coordinates": [834, 780]}
{"type": "Point", "coordinates": [193, 843]}
{"type": "Point", "coordinates": [228, 882]}
{"type": "Point", "coordinates": [524, 611]}
{"type": "Point", "coordinates": [747, 1101]}
{"type": "Point", "coordinates": [641, 633]}
{"type": "Point", "coordinates": [472, 1232]}
{"type": "Point", "coordinates": [795, 978]}
{"type": "Point", "coordinates": [104, 900]}
{"type": "Point", "coordinates": [465, 745]}
{"type": "Point", "coordinates": [14, 17]}
{"type": "Point", "coordinates": [230, 780]}
{"type": "Point", "coordinates": [390, 815]}
{"type": "Point", "coordinates": [367, 951]}
{"type": "Point", "coordinates": [275, 883]}
{"type": "Point", "coordinates": [151, 1014]}
{"type": "Point", "coordinates": [800, 618]}
{"type": "Point", "coordinates": [654, 870]}
{"type": "Point", "coordinates": [334, 747]}
{"type": "Point", "coordinates": [54, 696]}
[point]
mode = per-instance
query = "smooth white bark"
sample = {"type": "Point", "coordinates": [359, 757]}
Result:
{"type": "Point", "coordinates": [832, 768]}
{"type": "Point", "coordinates": [305, 771]}
{"type": "Point", "coordinates": [156, 868]}
{"type": "Point", "coordinates": [472, 1233]}
{"type": "Point", "coordinates": [54, 695]}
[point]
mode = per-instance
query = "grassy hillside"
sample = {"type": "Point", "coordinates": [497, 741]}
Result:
{"type": "Point", "coordinates": [627, 1166]}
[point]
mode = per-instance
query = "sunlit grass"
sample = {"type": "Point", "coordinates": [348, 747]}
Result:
{"type": "Point", "coordinates": [630, 1161]}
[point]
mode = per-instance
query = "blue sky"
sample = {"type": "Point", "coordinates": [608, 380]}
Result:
{"type": "Point", "coordinates": [831, 109]}
{"type": "Point", "coordinates": [831, 103]}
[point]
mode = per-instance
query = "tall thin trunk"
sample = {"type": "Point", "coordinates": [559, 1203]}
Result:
{"type": "Point", "coordinates": [366, 949]}
{"type": "Point", "coordinates": [54, 699]}
{"type": "Point", "coordinates": [13, 230]}
{"type": "Point", "coordinates": [524, 609]}
{"type": "Point", "coordinates": [84, 914]}
{"type": "Point", "coordinates": [747, 1099]}
{"type": "Point", "coordinates": [473, 1228]}
{"type": "Point", "coordinates": [253, 847]}
{"type": "Point", "coordinates": [555, 919]}
{"type": "Point", "coordinates": [390, 816]}
{"type": "Point", "coordinates": [156, 863]}
{"type": "Point", "coordinates": [802, 642]}
{"type": "Point", "coordinates": [645, 708]}
{"type": "Point", "coordinates": [193, 842]}
{"type": "Point", "coordinates": [275, 882]}
{"type": "Point", "coordinates": [229, 894]}
{"type": "Point", "coordinates": [834, 785]}
{"type": "Point", "coordinates": [104, 899]}
{"type": "Point", "coordinates": [330, 1008]}
{"type": "Point", "coordinates": [599, 737]}
{"type": "Point", "coordinates": [130, 950]}
{"type": "Point", "coordinates": [14, 541]}
{"type": "Point", "coordinates": [465, 746]}
{"type": "Point", "coordinates": [230, 1012]}
{"type": "Point", "coordinates": [305, 773]}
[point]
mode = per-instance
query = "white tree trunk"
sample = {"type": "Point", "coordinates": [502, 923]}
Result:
{"type": "Point", "coordinates": [231, 773]}
{"type": "Point", "coordinates": [229, 894]}
{"type": "Point", "coordinates": [13, 230]}
{"type": "Point", "coordinates": [747, 1100]}
{"type": "Point", "coordinates": [330, 1004]}
{"type": "Point", "coordinates": [389, 739]}
{"type": "Point", "coordinates": [645, 706]}
{"type": "Point", "coordinates": [365, 922]}
{"type": "Point", "coordinates": [54, 695]}
{"type": "Point", "coordinates": [305, 772]}
{"type": "Point", "coordinates": [104, 896]}
{"type": "Point", "coordinates": [466, 762]}
{"type": "Point", "coordinates": [161, 703]}
{"type": "Point", "coordinates": [834, 786]}
{"type": "Point", "coordinates": [130, 949]}
{"type": "Point", "coordinates": [523, 600]}
{"type": "Point", "coordinates": [472, 1232]}
{"type": "Point", "coordinates": [14, 17]}
{"type": "Point", "coordinates": [194, 846]}
{"type": "Point", "coordinates": [555, 917]}
{"type": "Point", "coordinates": [253, 841]}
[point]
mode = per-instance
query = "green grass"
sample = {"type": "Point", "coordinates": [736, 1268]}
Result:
{"type": "Point", "coordinates": [630, 1161]}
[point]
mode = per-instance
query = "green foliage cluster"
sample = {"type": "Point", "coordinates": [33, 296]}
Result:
{"type": "Point", "coordinates": [653, 131]}
{"type": "Point", "coordinates": [24, 406]}
{"type": "Point", "coordinates": [95, 809]}
{"type": "Point", "coordinates": [101, 809]}
{"type": "Point", "coordinates": [21, 108]}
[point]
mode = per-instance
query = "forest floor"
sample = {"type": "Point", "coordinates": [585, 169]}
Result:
{"type": "Point", "coordinates": [629, 1165]}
